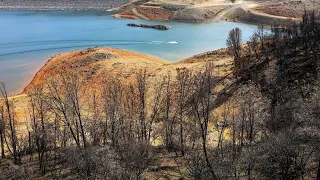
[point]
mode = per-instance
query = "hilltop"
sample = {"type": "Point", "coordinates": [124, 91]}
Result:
{"type": "Point", "coordinates": [94, 64]}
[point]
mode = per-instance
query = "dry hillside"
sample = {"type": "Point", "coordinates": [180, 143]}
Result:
{"type": "Point", "coordinates": [97, 64]}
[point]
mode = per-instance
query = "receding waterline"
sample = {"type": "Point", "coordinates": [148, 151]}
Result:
{"type": "Point", "coordinates": [32, 37]}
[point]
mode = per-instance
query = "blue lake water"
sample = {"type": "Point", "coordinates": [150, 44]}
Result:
{"type": "Point", "coordinates": [29, 38]}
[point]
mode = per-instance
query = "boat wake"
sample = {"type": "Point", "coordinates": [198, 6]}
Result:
{"type": "Point", "coordinates": [38, 46]}
{"type": "Point", "coordinates": [164, 42]}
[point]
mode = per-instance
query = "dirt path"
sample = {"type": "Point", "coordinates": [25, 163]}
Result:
{"type": "Point", "coordinates": [217, 3]}
{"type": "Point", "coordinates": [225, 12]}
{"type": "Point", "coordinates": [249, 7]}
{"type": "Point", "coordinates": [255, 12]}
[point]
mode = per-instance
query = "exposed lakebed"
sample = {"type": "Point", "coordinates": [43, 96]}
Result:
{"type": "Point", "coordinates": [29, 38]}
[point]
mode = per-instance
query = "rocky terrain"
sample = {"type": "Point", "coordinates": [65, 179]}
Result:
{"type": "Point", "coordinates": [60, 4]}
{"type": "Point", "coordinates": [159, 27]}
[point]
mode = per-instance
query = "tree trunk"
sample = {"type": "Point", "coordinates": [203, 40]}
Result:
{"type": "Point", "coordinates": [30, 146]}
{"type": "Point", "coordinates": [204, 146]}
{"type": "Point", "coordinates": [2, 145]}
{"type": "Point", "coordinates": [318, 171]}
{"type": "Point", "coordinates": [181, 132]}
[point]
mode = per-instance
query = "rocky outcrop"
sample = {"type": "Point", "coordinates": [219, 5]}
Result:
{"type": "Point", "coordinates": [158, 26]}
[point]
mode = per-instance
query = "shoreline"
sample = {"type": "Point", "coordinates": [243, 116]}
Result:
{"type": "Point", "coordinates": [120, 58]}
{"type": "Point", "coordinates": [239, 12]}
{"type": "Point", "coordinates": [116, 16]}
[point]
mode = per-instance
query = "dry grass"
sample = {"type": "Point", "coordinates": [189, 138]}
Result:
{"type": "Point", "coordinates": [123, 65]}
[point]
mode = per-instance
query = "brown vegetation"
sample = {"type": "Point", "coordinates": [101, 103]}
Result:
{"type": "Point", "coordinates": [259, 119]}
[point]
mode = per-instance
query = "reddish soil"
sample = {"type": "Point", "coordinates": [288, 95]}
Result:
{"type": "Point", "coordinates": [158, 14]}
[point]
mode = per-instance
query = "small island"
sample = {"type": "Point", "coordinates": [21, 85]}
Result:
{"type": "Point", "coordinates": [158, 26]}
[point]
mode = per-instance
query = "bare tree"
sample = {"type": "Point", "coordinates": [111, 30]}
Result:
{"type": "Point", "coordinates": [58, 97]}
{"type": "Point", "coordinates": [202, 105]}
{"type": "Point", "coordinates": [168, 93]}
{"type": "Point", "coordinates": [142, 90]}
{"type": "Point", "coordinates": [184, 80]}
{"type": "Point", "coordinates": [73, 89]}
{"type": "Point", "coordinates": [234, 44]}
{"type": "Point", "coordinates": [96, 130]}
{"type": "Point", "coordinates": [113, 110]}
{"type": "Point", "coordinates": [2, 131]}
{"type": "Point", "coordinates": [156, 103]}
{"type": "Point", "coordinates": [66, 96]}
{"type": "Point", "coordinates": [39, 114]}
{"type": "Point", "coordinates": [10, 117]}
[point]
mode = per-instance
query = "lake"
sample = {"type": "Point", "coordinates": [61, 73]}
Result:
{"type": "Point", "coordinates": [29, 38]}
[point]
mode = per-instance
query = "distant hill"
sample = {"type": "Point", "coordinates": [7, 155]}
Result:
{"type": "Point", "coordinates": [60, 4]}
